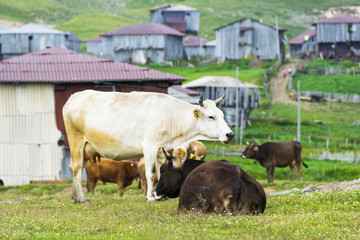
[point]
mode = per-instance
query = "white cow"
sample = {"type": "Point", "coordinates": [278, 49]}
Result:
{"type": "Point", "coordinates": [127, 125]}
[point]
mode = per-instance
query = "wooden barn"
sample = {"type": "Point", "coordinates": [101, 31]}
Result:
{"type": "Point", "coordinates": [182, 18]}
{"type": "Point", "coordinates": [94, 46]}
{"type": "Point", "coordinates": [246, 37]}
{"type": "Point", "coordinates": [33, 89]}
{"type": "Point", "coordinates": [214, 87]}
{"type": "Point", "coordinates": [73, 42]}
{"type": "Point", "coordinates": [28, 38]}
{"type": "Point", "coordinates": [304, 44]}
{"type": "Point", "coordinates": [196, 47]}
{"type": "Point", "coordinates": [151, 42]}
{"type": "Point", "coordinates": [338, 36]}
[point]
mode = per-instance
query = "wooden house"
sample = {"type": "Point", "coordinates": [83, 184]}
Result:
{"type": "Point", "coordinates": [338, 36]}
{"type": "Point", "coordinates": [182, 18]}
{"type": "Point", "coordinates": [2, 29]}
{"type": "Point", "coordinates": [73, 42]}
{"type": "Point", "coordinates": [28, 38]}
{"type": "Point", "coordinates": [33, 89]}
{"type": "Point", "coordinates": [151, 42]}
{"type": "Point", "coordinates": [246, 37]}
{"type": "Point", "coordinates": [213, 87]}
{"type": "Point", "coordinates": [94, 46]}
{"type": "Point", "coordinates": [304, 44]}
{"type": "Point", "coordinates": [195, 47]}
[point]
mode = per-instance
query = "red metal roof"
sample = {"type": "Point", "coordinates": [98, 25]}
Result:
{"type": "Point", "coordinates": [341, 18]}
{"type": "Point", "coordinates": [146, 29]}
{"type": "Point", "coordinates": [188, 91]}
{"type": "Point", "coordinates": [62, 65]}
{"type": "Point", "coordinates": [194, 41]}
{"type": "Point", "coordinates": [300, 39]}
{"type": "Point", "coordinates": [95, 39]}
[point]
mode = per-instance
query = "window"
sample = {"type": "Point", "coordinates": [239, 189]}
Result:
{"type": "Point", "coordinates": [350, 28]}
{"type": "Point", "coordinates": [242, 33]}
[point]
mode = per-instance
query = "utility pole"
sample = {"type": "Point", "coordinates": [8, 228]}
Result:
{"type": "Point", "coordinates": [277, 39]}
{"type": "Point", "coordinates": [237, 109]}
{"type": "Point", "coordinates": [298, 126]}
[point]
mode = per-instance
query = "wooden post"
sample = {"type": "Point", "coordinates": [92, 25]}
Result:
{"type": "Point", "coordinates": [346, 142]}
{"type": "Point", "coordinates": [315, 143]}
{"type": "Point", "coordinates": [327, 143]}
{"type": "Point", "coordinates": [337, 145]}
{"type": "Point", "coordinates": [309, 141]}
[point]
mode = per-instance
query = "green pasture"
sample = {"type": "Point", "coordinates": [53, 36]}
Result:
{"type": "Point", "coordinates": [47, 212]}
{"type": "Point", "coordinates": [340, 83]}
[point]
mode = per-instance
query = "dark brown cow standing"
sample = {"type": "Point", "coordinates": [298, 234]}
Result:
{"type": "Point", "coordinates": [121, 172]}
{"type": "Point", "coordinates": [281, 154]}
{"type": "Point", "coordinates": [220, 186]}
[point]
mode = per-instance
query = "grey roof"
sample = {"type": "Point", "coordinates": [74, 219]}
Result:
{"type": "Point", "coordinates": [32, 28]}
{"type": "Point", "coordinates": [240, 20]}
{"type": "Point", "coordinates": [211, 43]}
{"type": "Point", "coordinates": [181, 8]}
{"type": "Point", "coordinates": [219, 81]}
{"type": "Point", "coordinates": [73, 38]}
{"type": "Point", "coordinates": [179, 94]}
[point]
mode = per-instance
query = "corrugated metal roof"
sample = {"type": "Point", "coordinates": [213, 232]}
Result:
{"type": "Point", "coordinates": [146, 29]}
{"type": "Point", "coordinates": [219, 81]}
{"type": "Point", "coordinates": [211, 43]}
{"type": "Point", "coordinates": [184, 90]}
{"type": "Point", "coordinates": [300, 39]}
{"type": "Point", "coordinates": [73, 38]}
{"type": "Point", "coordinates": [179, 94]}
{"type": "Point", "coordinates": [195, 41]}
{"type": "Point", "coordinates": [32, 28]}
{"type": "Point", "coordinates": [161, 7]}
{"type": "Point", "coordinates": [181, 8]}
{"type": "Point", "coordinates": [341, 18]}
{"type": "Point", "coordinates": [95, 39]}
{"type": "Point", "coordinates": [240, 20]}
{"type": "Point", "coordinates": [62, 65]}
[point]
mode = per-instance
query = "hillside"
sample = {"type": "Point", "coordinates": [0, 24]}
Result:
{"type": "Point", "coordinates": [295, 16]}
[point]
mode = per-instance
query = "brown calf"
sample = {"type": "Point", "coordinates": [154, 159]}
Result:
{"type": "Point", "coordinates": [121, 172]}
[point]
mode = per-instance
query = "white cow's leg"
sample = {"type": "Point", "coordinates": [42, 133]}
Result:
{"type": "Point", "coordinates": [150, 160]}
{"type": "Point", "coordinates": [76, 166]}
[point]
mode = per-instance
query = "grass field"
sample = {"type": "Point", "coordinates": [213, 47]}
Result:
{"type": "Point", "coordinates": [53, 215]}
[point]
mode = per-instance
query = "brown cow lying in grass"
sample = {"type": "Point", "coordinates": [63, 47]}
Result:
{"type": "Point", "coordinates": [281, 154]}
{"type": "Point", "coordinates": [121, 172]}
{"type": "Point", "coordinates": [220, 186]}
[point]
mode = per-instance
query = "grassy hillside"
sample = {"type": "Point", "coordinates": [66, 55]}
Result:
{"type": "Point", "coordinates": [90, 25]}
{"type": "Point", "coordinates": [295, 16]}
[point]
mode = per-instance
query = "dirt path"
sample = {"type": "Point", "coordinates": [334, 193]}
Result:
{"type": "Point", "coordinates": [278, 84]}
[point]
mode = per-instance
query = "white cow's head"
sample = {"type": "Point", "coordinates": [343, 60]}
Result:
{"type": "Point", "coordinates": [210, 121]}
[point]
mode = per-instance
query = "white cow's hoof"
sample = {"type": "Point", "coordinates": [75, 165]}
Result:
{"type": "Point", "coordinates": [150, 199]}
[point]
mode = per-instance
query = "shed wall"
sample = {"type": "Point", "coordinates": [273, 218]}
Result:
{"type": "Point", "coordinates": [17, 44]}
{"type": "Point", "coordinates": [28, 134]}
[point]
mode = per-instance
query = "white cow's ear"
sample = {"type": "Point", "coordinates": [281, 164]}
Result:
{"type": "Point", "coordinates": [197, 113]}
{"type": "Point", "coordinates": [256, 149]}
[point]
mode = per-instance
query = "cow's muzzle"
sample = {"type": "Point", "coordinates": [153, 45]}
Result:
{"type": "Point", "coordinates": [230, 136]}
{"type": "Point", "coordinates": [243, 156]}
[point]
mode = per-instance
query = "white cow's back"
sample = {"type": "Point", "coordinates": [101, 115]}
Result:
{"type": "Point", "coordinates": [123, 121]}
